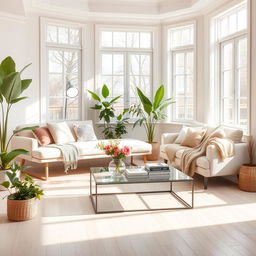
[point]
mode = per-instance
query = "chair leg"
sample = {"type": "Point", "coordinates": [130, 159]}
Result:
{"type": "Point", "coordinates": [132, 162]}
{"type": "Point", "coordinates": [145, 159]}
{"type": "Point", "coordinates": [205, 182]}
{"type": "Point", "coordinates": [46, 169]}
{"type": "Point", "coordinates": [22, 162]}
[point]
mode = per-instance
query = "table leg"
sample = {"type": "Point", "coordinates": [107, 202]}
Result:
{"type": "Point", "coordinates": [90, 183]}
{"type": "Point", "coordinates": [170, 186]}
{"type": "Point", "coordinates": [192, 193]}
{"type": "Point", "coordinates": [96, 198]}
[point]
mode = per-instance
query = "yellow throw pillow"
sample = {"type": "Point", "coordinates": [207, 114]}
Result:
{"type": "Point", "coordinates": [193, 138]}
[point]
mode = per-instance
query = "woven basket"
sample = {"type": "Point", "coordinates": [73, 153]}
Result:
{"type": "Point", "coordinates": [247, 178]}
{"type": "Point", "coordinates": [20, 210]}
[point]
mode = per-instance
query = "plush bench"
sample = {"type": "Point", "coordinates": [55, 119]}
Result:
{"type": "Point", "coordinates": [88, 149]}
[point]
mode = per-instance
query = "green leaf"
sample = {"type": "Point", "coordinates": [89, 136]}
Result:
{"type": "Point", "coordinates": [97, 107]}
{"type": "Point", "coordinates": [147, 105]}
{"type": "Point", "coordinates": [25, 129]}
{"type": "Point", "coordinates": [25, 67]}
{"type": "Point", "coordinates": [11, 87]}
{"type": "Point", "coordinates": [119, 117]}
{"type": "Point", "coordinates": [158, 96]}
{"type": "Point", "coordinates": [115, 99]}
{"type": "Point", "coordinates": [18, 99]}
{"type": "Point", "coordinates": [25, 84]}
{"type": "Point", "coordinates": [94, 96]}
{"type": "Point", "coordinates": [107, 119]}
{"type": "Point", "coordinates": [6, 158]}
{"type": "Point", "coordinates": [5, 184]}
{"type": "Point", "coordinates": [105, 91]}
{"type": "Point", "coordinates": [164, 104]}
{"type": "Point", "coordinates": [105, 104]}
{"type": "Point", "coordinates": [8, 66]}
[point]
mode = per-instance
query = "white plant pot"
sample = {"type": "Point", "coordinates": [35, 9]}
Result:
{"type": "Point", "coordinates": [4, 177]}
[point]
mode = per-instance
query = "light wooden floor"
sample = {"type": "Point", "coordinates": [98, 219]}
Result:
{"type": "Point", "coordinates": [222, 223]}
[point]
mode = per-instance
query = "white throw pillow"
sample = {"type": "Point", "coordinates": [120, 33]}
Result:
{"type": "Point", "coordinates": [181, 135]}
{"type": "Point", "coordinates": [233, 134]}
{"type": "Point", "coordinates": [84, 132]}
{"type": "Point", "coordinates": [61, 132]}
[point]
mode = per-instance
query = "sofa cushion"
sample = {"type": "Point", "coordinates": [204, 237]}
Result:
{"type": "Point", "coordinates": [61, 132]}
{"type": "Point", "coordinates": [84, 132]}
{"type": "Point", "coordinates": [233, 134]}
{"type": "Point", "coordinates": [181, 135]}
{"type": "Point", "coordinates": [43, 136]}
{"type": "Point", "coordinates": [193, 137]}
{"type": "Point", "coordinates": [88, 148]}
{"type": "Point", "coordinates": [201, 162]}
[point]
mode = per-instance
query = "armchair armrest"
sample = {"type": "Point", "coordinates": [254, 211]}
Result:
{"type": "Point", "coordinates": [26, 143]}
{"type": "Point", "coordinates": [168, 138]}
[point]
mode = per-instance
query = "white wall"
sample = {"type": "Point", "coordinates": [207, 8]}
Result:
{"type": "Point", "coordinates": [21, 41]}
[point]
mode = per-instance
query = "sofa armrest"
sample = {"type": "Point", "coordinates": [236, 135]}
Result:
{"type": "Point", "coordinates": [168, 138]}
{"type": "Point", "coordinates": [241, 150]}
{"type": "Point", "coordinates": [26, 143]}
{"type": "Point", "coordinates": [230, 165]}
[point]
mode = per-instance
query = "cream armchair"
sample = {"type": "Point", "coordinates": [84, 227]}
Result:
{"type": "Point", "coordinates": [209, 165]}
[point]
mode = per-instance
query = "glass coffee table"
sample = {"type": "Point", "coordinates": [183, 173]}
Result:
{"type": "Point", "coordinates": [100, 176]}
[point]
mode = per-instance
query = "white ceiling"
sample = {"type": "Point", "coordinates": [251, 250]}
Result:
{"type": "Point", "coordinates": [156, 9]}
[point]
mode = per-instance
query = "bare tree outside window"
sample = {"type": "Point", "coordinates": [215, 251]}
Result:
{"type": "Point", "coordinates": [64, 69]}
{"type": "Point", "coordinates": [126, 63]}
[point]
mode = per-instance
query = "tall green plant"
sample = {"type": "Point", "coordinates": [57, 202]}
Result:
{"type": "Point", "coordinates": [11, 88]}
{"type": "Point", "coordinates": [150, 112]}
{"type": "Point", "coordinates": [106, 109]}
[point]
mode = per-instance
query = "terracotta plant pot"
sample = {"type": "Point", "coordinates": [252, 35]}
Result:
{"type": "Point", "coordinates": [20, 210]}
{"type": "Point", "coordinates": [155, 151]}
{"type": "Point", "coordinates": [247, 178]}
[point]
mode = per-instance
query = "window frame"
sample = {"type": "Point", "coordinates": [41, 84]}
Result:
{"type": "Point", "coordinates": [44, 65]}
{"type": "Point", "coordinates": [127, 52]}
{"type": "Point", "coordinates": [219, 42]}
{"type": "Point", "coordinates": [170, 68]}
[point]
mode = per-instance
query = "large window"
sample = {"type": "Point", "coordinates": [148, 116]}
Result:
{"type": "Point", "coordinates": [232, 41]}
{"type": "Point", "coordinates": [181, 56]}
{"type": "Point", "coordinates": [125, 62]}
{"type": "Point", "coordinates": [62, 82]}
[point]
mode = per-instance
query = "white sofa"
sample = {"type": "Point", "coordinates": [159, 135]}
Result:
{"type": "Point", "coordinates": [209, 165]}
{"type": "Point", "coordinates": [88, 149]}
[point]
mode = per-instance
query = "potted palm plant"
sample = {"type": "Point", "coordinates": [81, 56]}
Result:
{"type": "Point", "coordinates": [11, 88]}
{"type": "Point", "coordinates": [22, 202]}
{"type": "Point", "coordinates": [149, 113]}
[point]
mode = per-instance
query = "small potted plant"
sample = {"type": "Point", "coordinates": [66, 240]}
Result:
{"type": "Point", "coordinates": [247, 172]}
{"type": "Point", "coordinates": [148, 114]}
{"type": "Point", "coordinates": [22, 201]}
{"type": "Point", "coordinates": [116, 166]}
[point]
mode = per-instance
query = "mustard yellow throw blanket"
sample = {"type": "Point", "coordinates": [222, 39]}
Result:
{"type": "Point", "coordinates": [224, 146]}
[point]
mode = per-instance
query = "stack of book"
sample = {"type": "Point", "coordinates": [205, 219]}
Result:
{"type": "Point", "coordinates": [137, 173]}
{"type": "Point", "coordinates": [158, 170]}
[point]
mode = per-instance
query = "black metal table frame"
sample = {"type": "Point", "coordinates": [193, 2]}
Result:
{"type": "Point", "coordinates": [177, 197]}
